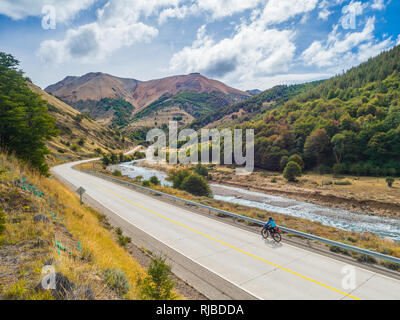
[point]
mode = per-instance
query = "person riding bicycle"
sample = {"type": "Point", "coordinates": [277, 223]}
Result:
{"type": "Point", "coordinates": [270, 224]}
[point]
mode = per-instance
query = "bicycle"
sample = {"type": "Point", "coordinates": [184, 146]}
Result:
{"type": "Point", "coordinates": [274, 232]}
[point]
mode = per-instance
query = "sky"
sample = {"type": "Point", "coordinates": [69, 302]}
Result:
{"type": "Point", "coordinates": [247, 44]}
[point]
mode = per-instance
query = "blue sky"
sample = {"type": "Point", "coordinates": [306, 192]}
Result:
{"type": "Point", "coordinates": [245, 43]}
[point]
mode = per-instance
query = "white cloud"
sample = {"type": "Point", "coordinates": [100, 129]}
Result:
{"type": "Point", "coordinates": [252, 52]}
{"type": "Point", "coordinates": [278, 11]}
{"type": "Point", "coordinates": [378, 4]}
{"type": "Point", "coordinates": [117, 26]}
{"type": "Point", "coordinates": [65, 9]}
{"type": "Point", "coordinates": [215, 9]}
{"type": "Point", "coordinates": [340, 51]}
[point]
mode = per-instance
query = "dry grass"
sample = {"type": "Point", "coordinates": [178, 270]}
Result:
{"type": "Point", "coordinates": [100, 250]}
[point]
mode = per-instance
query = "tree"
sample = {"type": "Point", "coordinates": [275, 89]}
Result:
{"type": "Point", "coordinates": [25, 125]}
{"type": "Point", "coordinates": [157, 285]}
{"type": "Point", "coordinates": [196, 185]}
{"type": "Point", "coordinates": [317, 146]}
{"type": "Point", "coordinates": [292, 171]}
{"type": "Point", "coordinates": [154, 180]}
{"type": "Point", "coordinates": [298, 159]}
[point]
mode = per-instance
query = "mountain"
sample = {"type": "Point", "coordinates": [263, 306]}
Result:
{"type": "Point", "coordinates": [254, 92]}
{"type": "Point", "coordinates": [250, 108]}
{"type": "Point", "coordinates": [79, 135]}
{"type": "Point", "coordinates": [113, 101]}
{"type": "Point", "coordinates": [347, 124]}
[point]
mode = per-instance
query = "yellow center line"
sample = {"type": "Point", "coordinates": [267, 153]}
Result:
{"type": "Point", "coordinates": [221, 242]}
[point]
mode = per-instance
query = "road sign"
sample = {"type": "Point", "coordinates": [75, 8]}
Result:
{"type": "Point", "coordinates": [80, 191]}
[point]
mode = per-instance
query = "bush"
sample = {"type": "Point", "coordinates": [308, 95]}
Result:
{"type": "Point", "coordinates": [292, 170]}
{"type": "Point", "coordinates": [201, 170]}
{"type": "Point", "coordinates": [157, 285]}
{"type": "Point", "coordinates": [117, 173]}
{"type": "Point", "coordinates": [154, 180]}
{"type": "Point", "coordinates": [366, 259]}
{"type": "Point", "coordinates": [146, 183]}
{"type": "Point", "coordinates": [342, 183]}
{"type": "Point", "coordinates": [389, 181]}
{"type": "Point", "coordinates": [298, 159]}
{"type": "Point", "coordinates": [196, 185]}
{"type": "Point", "coordinates": [339, 250]}
{"type": "Point", "coordinates": [2, 221]}
{"type": "Point", "coordinates": [117, 281]}
{"type": "Point", "coordinates": [138, 178]}
{"type": "Point", "coordinates": [284, 161]}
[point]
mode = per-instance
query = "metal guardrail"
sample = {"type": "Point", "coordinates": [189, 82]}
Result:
{"type": "Point", "coordinates": [259, 222]}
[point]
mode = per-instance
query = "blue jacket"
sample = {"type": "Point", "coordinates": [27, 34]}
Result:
{"type": "Point", "coordinates": [270, 223]}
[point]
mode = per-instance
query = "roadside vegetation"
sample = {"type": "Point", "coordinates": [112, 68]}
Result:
{"type": "Point", "coordinates": [43, 224]}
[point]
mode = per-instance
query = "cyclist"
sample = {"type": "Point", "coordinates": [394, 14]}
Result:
{"type": "Point", "coordinates": [270, 224]}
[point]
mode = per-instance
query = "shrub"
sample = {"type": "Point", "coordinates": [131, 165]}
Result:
{"type": "Point", "coordinates": [284, 161]}
{"type": "Point", "coordinates": [138, 178]}
{"type": "Point", "coordinates": [201, 170]}
{"type": "Point", "coordinates": [342, 183]}
{"type": "Point", "coordinates": [339, 250]}
{"type": "Point", "coordinates": [391, 265]}
{"type": "Point", "coordinates": [298, 159]}
{"type": "Point", "coordinates": [273, 180]}
{"type": "Point", "coordinates": [196, 185]}
{"type": "Point", "coordinates": [177, 177]}
{"type": "Point", "coordinates": [74, 148]}
{"type": "Point", "coordinates": [154, 180]}
{"type": "Point", "coordinates": [123, 240]}
{"type": "Point", "coordinates": [366, 259]}
{"type": "Point", "coordinates": [389, 181]}
{"type": "Point", "coordinates": [117, 281]}
{"type": "Point", "coordinates": [81, 141]}
{"type": "Point", "coordinates": [157, 285]}
{"type": "Point", "coordinates": [292, 170]}
{"type": "Point", "coordinates": [146, 183]}
{"type": "Point", "coordinates": [117, 173]}
{"type": "Point", "coordinates": [2, 221]}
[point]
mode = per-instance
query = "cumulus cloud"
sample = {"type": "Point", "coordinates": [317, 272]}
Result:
{"type": "Point", "coordinates": [215, 9]}
{"type": "Point", "coordinates": [65, 9]}
{"type": "Point", "coordinates": [117, 26]}
{"type": "Point", "coordinates": [378, 4]}
{"type": "Point", "coordinates": [253, 51]}
{"type": "Point", "coordinates": [345, 50]}
{"type": "Point", "coordinates": [278, 11]}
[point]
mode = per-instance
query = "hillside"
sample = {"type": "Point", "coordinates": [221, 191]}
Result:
{"type": "Point", "coordinates": [347, 124]}
{"type": "Point", "coordinates": [79, 136]}
{"type": "Point", "coordinates": [250, 108]}
{"type": "Point", "coordinates": [114, 101]}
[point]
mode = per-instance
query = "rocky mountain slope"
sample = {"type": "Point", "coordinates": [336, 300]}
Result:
{"type": "Point", "coordinates": [116, 101]}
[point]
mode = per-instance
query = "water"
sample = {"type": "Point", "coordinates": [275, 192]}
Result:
{"type": "Point", "coordinates": [338, 218]}
{"type": "Point", "coordinates": [130, 170]}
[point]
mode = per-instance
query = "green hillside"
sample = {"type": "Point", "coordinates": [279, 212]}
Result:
{"type": "Point", "coordinates": [195, 103]}
{"type": "Point", "coordinates": [266, 100]}
{"type": "Point", "coordinates": [347, 124]}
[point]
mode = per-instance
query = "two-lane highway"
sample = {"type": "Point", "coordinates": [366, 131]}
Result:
{"type": "Point", "coordinates": [262, 268]}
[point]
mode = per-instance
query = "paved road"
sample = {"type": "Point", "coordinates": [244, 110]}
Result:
{"type": "Point", "coordinates": [262, 268]}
